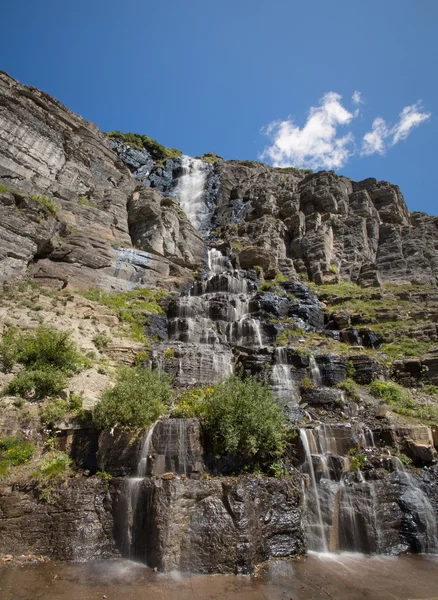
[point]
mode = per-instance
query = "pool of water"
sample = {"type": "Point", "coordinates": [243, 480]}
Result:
{"type": "Point", "coordinates": [316, 577]}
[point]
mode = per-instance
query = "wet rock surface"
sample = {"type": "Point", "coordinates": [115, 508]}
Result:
{"type": "Point", "coordinates": [226, 526]}
{"type": "Point", "coordinates": [76, 525]}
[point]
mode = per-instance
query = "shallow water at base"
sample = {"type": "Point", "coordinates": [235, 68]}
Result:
{"type": "Point", "coordinates": [332, 577]}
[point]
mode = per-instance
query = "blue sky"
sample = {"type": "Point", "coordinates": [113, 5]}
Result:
{"type": "Point", "coordinates": [209, 76]}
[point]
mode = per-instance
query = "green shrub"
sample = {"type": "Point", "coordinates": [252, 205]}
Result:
{"type": "Point", "coordinates": [46, 205]}
{"type": "Point", "coordinates": [350, 387]}
{"type": "Point", "coordinates": [277, 469]}
{"type": "Point", "coordinates": [101, 340]}
{"type": "Point", "coordinates": [106, 477]}
{"type": "Point", "coordinates": [266, 286]}
{"type": "Point", "coordinates": [10, 348]}
{"type": "Point", "coordinates": [391, 393]}
{"type": "Point", "coordinates": [403, 458]}
{"type": "Point", "coordinates": [191, 404]}
{"type": "Point", "coordinates": [357, 462]}
{"type": "Point", "coordinates": [13, 452]}
{"type": "Point", "coordinates": [51, 471]}
{"type": "Point", "coordinates": [139, 397]}
{"type": "Point", "coordinates": [169, 353]}
{"type": "Point", "coordinates": [242, 419]}
{"type": "Point", "coordinates": [49, 357]}
{"type": "Point", "coordinates": [36, 384]}
{"type": "Point", "coordinates": [59, 408]}
{"type": "Point", "coordinates": [306, 383]}
{"type": "Point", "coordinates": [48, 347]}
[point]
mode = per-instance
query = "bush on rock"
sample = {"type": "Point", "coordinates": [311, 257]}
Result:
{"type": "Point", "coordinates": [242, 418]}
{"type": "Point", "coordinates": [139, 397]}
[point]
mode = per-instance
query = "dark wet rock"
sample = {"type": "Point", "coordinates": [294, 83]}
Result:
{"type": "Point", "coordinates": [333, 368]}
{"type": "Point", "coordinates": [77, 525]}
{"type": "Point", "coordinates": [366, 368]}
{"type": "Point", "coordinates": [119, 451]}
{"type": "Point", "coordinates": [321, 395]}
{"type": "Point", "coordinates": [226, 525]}
{"type": "Point", "coordinates": [176, 447]}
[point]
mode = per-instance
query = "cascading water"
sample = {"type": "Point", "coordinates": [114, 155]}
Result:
{"type": "Point", "coordinates": [282, 383]}
{"type": "Point", "coordinates": [343, 510]}
{"type": "Point", "coordinates": [420, 507]}
{"type": "Point", "coordinates": [191, 190]}
{"type": "Point", "coordinates": [134, 489]}
{"type": "Point", "coordinates": [315, 372]}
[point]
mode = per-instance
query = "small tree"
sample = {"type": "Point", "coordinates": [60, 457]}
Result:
{"type": "Point", "coordinates": [243, 419]}
{"type": "Point", "coordinates": [139, 397]}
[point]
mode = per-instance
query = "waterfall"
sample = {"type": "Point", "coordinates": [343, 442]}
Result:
{"type": "Point", "coordinates": [346, 511]}
{"type": "Point", "coordinates": [143, 462]}
{"type": "Point", "coordinates": [134, 489]}
{"type": "Point", "coordinates": [420, 508]}
{"type": "Point", "coordinates": [191, 190]}
{"type": "Point", "coordinates": [217, 262]}
{"type": "Point", "coordinates": [283, 386]}
{"type": "Point", "coordinates": [315, 372]}
{"type": "Point", "coordinates": [319, 539]}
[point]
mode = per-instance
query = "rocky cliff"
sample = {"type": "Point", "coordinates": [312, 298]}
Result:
{"type": "Point", "coordinates": [199, 267]}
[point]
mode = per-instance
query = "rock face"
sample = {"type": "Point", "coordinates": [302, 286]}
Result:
{"type": "Point", "coordinates": [48, 150]}
{"type": "Point", "coordinates": [224, 526]}
{"type": "Point", "coordinates": [235, 241]}
{"type": "Point", "coordinates": [76, 526]}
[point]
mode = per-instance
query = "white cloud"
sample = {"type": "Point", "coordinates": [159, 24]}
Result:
{"type": "Point", "coordinates": [410, 117]}
{"type": "Point", "coordinates": [374, 140]}
{"type": "Point", "coordinates": [320, 143]}
{"type": "Point", "coordinates": [317, 144]}
{"type": "Point", "coordinates": [357, 97]}
{"type": "Point", "coordinates": [381, 136]}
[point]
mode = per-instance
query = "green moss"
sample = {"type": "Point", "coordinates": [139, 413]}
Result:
{"type": "Point", "coordinates": [211, 157]}
{"type": "Point", "coordinates": [306, 383]}
{"type": "Point", "coordinates": [140, 141]}
{"type": "Point", "coordinates": [46, 205]}
{"type": "Point", "coordinates": [132, 308]}
{"type": "Point", "coordinates": [13, 452]}
{"type": "Point", "coordinates": [55, 468]}
{"type": "Point", "coordinates": [83, 201]}
{"type": "Point", "coordinates": [351, 389]}
{"type": "Point", "coordinates": [3, 188]}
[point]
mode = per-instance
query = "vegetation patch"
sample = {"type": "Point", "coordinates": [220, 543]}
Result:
{"type": "Point", "coordinates": [59, 408]}
{"type": "Point", "coordinates": [14, 452]}
{"type": "Point", "coordinates": [55, 468]}
{"type": "Point", "coordinates": [138, 398]}
{"type": "Point", "coordinates": [84, 201]}
{"type": "Point", "coordinates": [45, 204]}
{"type": "Point", "coordinates": [132, 308]}
{"type": "Point", "coordinates": [140, 141]}
{"type": "Point", "coordinates": [49, 358]}
{"type": "Point", "coordinates": [242, 419]}
{"type": "Point", "coordinates": [402, 403]}
{"type": "Point", "coordinates": [351, 389]}
{"type": "Point", "coordinates": [191, 403]}
{"type": "Point", "coordinates": [274, 284]}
